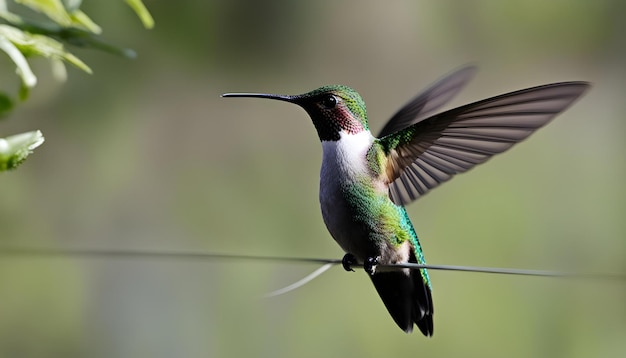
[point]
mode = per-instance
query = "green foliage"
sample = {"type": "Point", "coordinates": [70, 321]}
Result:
{"type": "Point", "coordinates": [6, 105]}
{"type": "Point", "coordinates": [22, 38]}
{"type": "Point", "coordinates": [37, 45]}
{"type": "Point", "coordinates": [142, 12]}
{"type": "Point", "coordinates": [15, 149]}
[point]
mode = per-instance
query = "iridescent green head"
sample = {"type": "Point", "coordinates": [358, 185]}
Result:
{"type": "Point", "coordinates": [333, 109]}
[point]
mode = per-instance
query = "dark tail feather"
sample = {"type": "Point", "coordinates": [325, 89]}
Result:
{"type": "Point", "coordinates": [407, 298]}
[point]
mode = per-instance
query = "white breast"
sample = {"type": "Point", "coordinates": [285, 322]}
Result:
{"type": "Point", "coordinates": [343, 162]}
{"type": "Point", "coordinates": [345, 159]}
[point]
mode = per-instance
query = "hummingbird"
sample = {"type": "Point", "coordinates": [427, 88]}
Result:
{"type": "Point", "coordinates": [366, 181]}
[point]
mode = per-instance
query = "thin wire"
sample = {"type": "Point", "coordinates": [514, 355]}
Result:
{"type": "Point", "coordinates": [9, 252]}
{"type": "Point", "coordinates": [511, 271]}
{"type": "Point", "coordinates": [149, 254]}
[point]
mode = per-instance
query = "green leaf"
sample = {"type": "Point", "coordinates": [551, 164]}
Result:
{"type": "Point", "coordinates": [15, 149]}
{"type": "Point", "coordinates": [23, 69]}
{"type": "Point", "coordinates": [6, 104]}
{"type": "Point", "coordinates": [81, 20]}
{"type": "Point", "coordinates": [40, 45]}
{"type": "Point", "coordinates": [24, 92]}
{"type": "Point", "coordinates": [91, 41]}
{"type": "Point", "coordinates": [142, 12]}
{"type": "Point", "coordinates": [54, 9]}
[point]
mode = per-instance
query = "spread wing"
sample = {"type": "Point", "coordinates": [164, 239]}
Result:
{"type": "Point", "coordinates": [430, 152]}
{"type": "Point", "coordinates": [429, 101]}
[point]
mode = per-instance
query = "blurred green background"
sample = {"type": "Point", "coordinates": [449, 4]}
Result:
{"type": "Point", "coordinates": [144, 154]}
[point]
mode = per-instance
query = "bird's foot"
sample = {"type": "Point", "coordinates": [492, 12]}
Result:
{"type": "Point", "coordinates": [347, 262]}
{"type": "Point", "coordinates": [370, 265]}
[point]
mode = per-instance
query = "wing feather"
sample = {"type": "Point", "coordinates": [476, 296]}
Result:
{"type": "Point", "coordinates": [429, 152]}
{"type": "Point", "coordinates": [429, 101]}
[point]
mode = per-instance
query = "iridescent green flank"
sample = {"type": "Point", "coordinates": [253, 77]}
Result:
{"type": "Point", "coordinates": [405, 223]}
{"type": "Point", "coordinates": [392, 141]}
{"type": "Point", "coordinates": [384, 220]}
{"type": "Point", "coordinates": [376, 158]}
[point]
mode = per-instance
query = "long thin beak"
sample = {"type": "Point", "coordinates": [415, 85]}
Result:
{"type": "Point", "coordinates": [279, 97]}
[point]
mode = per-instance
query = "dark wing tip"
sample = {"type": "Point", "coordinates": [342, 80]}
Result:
{"type": "Point", "coordinates": [425, 322]}
{"type": "Point", "coordinates": [395, 289]}
{"type": "Point", "coordinates": [426, 326]}
{"type": "Point", "coordinates": [428, 101]}
{"type": "Point", "coordinates": [407, 298]}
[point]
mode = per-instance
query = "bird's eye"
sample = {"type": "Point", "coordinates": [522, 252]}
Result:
{"type": "Point", "coordinates": [329, 101]}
